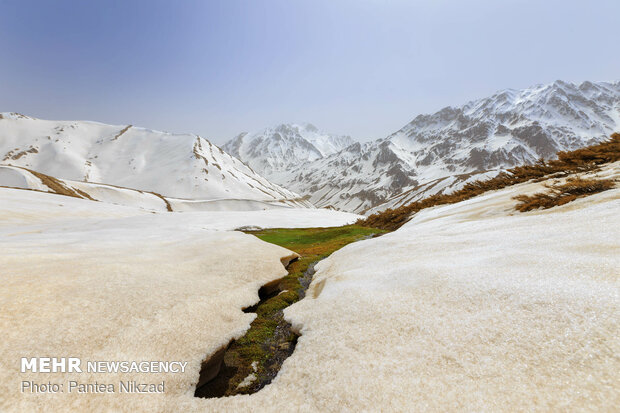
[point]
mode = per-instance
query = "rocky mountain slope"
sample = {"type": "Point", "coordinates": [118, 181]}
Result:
{"type": "Point", "coordinates": [175, 165]}
{"type": "Point", "coordinates": [273, 152]}
{"type": "Point", "coordinates": [442, 151]}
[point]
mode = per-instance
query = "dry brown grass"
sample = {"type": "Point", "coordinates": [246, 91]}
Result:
{"type": "Point", "coordinates": [58, 187]}
{"type": "Point", "coordinates": [580, 160]}
{"type": "Point", "coordinates": [168, 206]}
{"type": "Point", "coordinates": [560, 194]}
{"type": "Point", "coordinates": [122, 131]}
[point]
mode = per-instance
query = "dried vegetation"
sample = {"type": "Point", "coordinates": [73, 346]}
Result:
{"type": "Point", "coordinates": [560, 194]}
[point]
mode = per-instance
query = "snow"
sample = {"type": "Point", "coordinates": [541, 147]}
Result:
{"type": "Point", "coordinates": [21, 207]}
{"type": "Point", "coordinates": [222, 205]}
{"type": "Point", "coordinates": [250, 378]}
{"type": "Point", "coordinates": [469, 306]}
{"type": "Point", "coordinates": [109, 282]}
{"type": "Point", "coordinates": [17, 177]}
{"type": "Point", "coordinates": [176, 165]}
{"type": "Point", "coordinates": [497, 142]}
{"type": "Point", "coordinates": [280, 218]}
{"type": "Point", "coordinates": [120, 196]}
{"type": "Point", "coordinates": [122, 289]}
{"type": "Point", "coordinates": [247, 380]}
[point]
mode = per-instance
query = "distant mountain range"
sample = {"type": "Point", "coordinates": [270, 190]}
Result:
{"type": "Point", "coordinates": [299, 165]}
{"type": "Point", "coordinates": [275, 151]}
{"type": "Point", "coordinates": [181, 166]}
{"type": "Point", "coordinates": [433, 153]}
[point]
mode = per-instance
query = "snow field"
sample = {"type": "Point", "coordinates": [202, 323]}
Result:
{"type": "Point", "coordinates": [470, 306]}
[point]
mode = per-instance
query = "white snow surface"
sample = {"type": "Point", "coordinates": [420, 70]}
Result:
{"type": "Point", "coordinates": [17, 177]}
{"type": "Point", "coordinates": [19, 207]}
{"type": "Point", "coordinates": [175, 165]}
{"type": "Point", "coordinates": [108, 282]}
{"type": "Point", "coordinates": [117, 287]}
{"type": "Point", "coordinates": [470, 307]}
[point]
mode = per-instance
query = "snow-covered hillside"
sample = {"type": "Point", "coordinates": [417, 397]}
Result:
{"type": "Point", "coordinates": [18, 177]}
{"type": "Point", "coordinates": [468, 307]}
{"type": "Point", "coordinates": [274, 152]}
{"type": "Point", "coordinates": [173, 165]}
{"type": "Point", "coordinates": [440, 152]}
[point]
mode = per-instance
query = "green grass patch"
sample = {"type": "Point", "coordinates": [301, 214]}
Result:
{"type": "Point", "coordinates": [317, 239]}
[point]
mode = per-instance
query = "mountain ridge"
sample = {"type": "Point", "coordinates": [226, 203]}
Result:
{"type": "Point", "coordinates": [440, 152]}
{"type": "Point", "coordinates": [183, 166]}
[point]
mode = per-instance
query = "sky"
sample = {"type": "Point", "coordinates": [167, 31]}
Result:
{"type": "Point", "coordinates": [362, 68]}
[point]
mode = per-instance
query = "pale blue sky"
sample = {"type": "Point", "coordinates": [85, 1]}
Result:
{"type": "Point", "coordinates": [217, 68]}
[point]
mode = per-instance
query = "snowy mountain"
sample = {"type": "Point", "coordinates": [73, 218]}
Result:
{"type": "Point", "coordinates": [431, 154]}
{"type": "Point", "coordinates": [175, 165]}
{"type": "Point", "coordinates": [274, 151]}
{"type": "Point", "coordinates": [442, 151]}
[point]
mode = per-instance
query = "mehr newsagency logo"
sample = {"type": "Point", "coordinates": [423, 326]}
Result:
{"type": "Point", "coordinates": [76, 365]}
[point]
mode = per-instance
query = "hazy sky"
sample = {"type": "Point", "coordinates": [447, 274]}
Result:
{"type": "Point", "coordinates": [217, 68]}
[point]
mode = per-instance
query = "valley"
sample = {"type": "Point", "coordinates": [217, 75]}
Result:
{"type": "Point", "coordinates": [429, 302]}
{"type": "Point", "coordinates": [272, 303]}
{"type": "Point", "coordinates": [260, 353]}
{"type": "Point", "coordinates": [309, 206]}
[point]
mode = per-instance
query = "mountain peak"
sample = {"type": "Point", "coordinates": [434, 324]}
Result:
{"type": "Point", "coordinates": [277, 149]}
